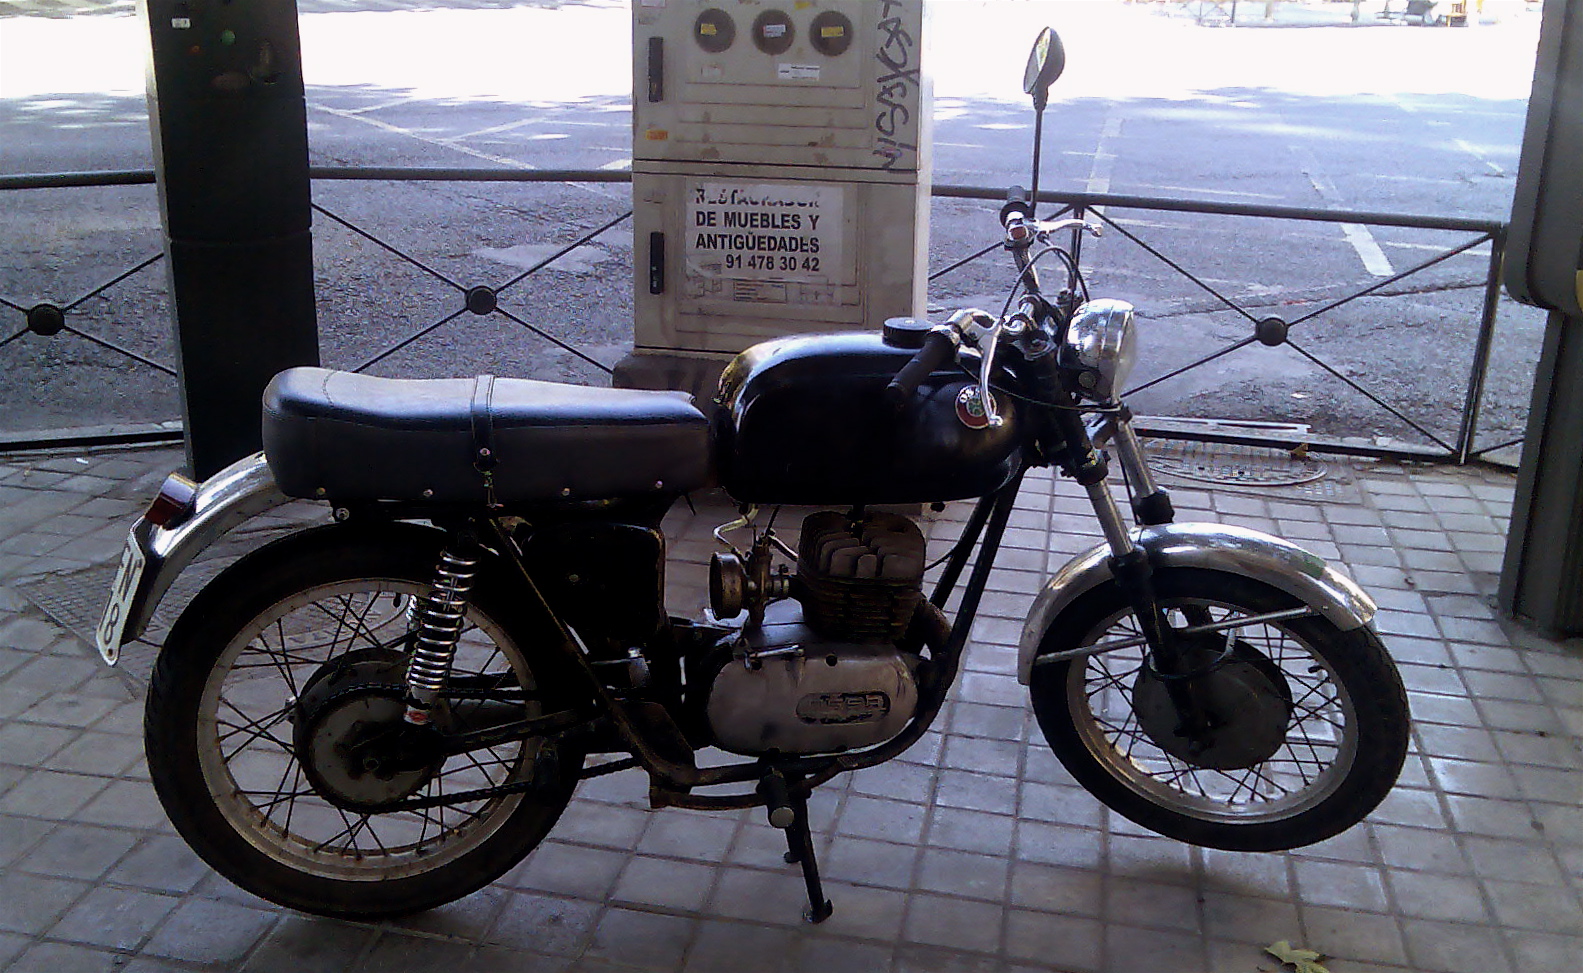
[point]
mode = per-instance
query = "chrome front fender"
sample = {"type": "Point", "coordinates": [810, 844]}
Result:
{"type": "Point", "coordinates": [1234, 550]}
{"type": "Point", "coordinates": [236, 494]}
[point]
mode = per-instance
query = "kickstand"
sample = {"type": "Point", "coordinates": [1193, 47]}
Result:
{"type": "Point", "coordinates": [790, 813]}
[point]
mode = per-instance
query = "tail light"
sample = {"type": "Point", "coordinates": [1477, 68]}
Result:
{"type": "Point", "coordinates": [178, 497]}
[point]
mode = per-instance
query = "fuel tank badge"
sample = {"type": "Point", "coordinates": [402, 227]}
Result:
{"type": "Point", "coordinates": [970, 408]}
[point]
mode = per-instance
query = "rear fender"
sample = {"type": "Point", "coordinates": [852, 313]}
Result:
{"type": "Point", "coordinates": [227, 499]}
{"type": "Point", "coordinates": [1217, 547]}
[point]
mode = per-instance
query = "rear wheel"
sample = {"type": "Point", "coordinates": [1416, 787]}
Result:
{"type": "Point", "coordinates": [1308, 723]}
{"type": "Point", "coordinates": [271, 717]}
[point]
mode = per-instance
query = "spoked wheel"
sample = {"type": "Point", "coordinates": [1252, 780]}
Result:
{"type": "Point", "coordinates": [1305, 725]}
{"type": "Point", "coordinates": [277, 745]}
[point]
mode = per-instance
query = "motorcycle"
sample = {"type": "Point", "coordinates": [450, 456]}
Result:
{"type": "Point", "coordinates": [386, 712]}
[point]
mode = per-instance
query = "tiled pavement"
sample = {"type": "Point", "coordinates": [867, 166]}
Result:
{"type": "Point", "coordinates": [976, 852]}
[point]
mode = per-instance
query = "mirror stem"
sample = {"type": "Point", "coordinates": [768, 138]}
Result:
{"type": "Point", "coordinates": [1038, 143]}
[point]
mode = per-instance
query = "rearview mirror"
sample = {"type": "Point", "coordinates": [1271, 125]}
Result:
{"type": "Point", "coordinates": [1045, 63]}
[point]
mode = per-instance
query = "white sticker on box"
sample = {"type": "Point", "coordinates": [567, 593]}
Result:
{"type": "Point", "coordinates": [798, 72]}
{"type": "Point", "coordinates": [765, 232]}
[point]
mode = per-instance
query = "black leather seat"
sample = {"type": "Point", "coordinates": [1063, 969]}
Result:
{"type": "Point", "coordinates": [348, 437]}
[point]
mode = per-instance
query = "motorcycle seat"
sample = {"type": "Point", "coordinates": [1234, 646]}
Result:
{"type": "Point", "coordinates": [348, 437]}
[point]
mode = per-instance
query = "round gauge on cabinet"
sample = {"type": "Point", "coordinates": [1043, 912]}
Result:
{"type": "Point", "coordinates": [714, 30]}
{"type": "Point", "coordinates": [830, 33]}
{"type": "Point", "coordinates": [773, 32]}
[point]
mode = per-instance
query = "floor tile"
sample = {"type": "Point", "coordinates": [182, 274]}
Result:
{"type": "Point", "coordinates": [115, 918]}
{"type": "Point", "coordinates": [1054, 941]}
{"type": "Point", "coordinates": [1427, 896]}
{"type": "Point", "coordinates": [575, 870]}
{"type": "Point", "coordinates": [1133, 948]}
{"type": "Point", "coordinates": [964, 874]}
{"type": "Point", "coordinates": [1455, 948]}
{"type": "Point", "coordinates": [80, 851]}
{"type": "Point", "coordinates": [937, 920]}
{"type": "Point", "coordinates": [205, 931]}
{"type": "Point", "coordinates": [1342, 932]}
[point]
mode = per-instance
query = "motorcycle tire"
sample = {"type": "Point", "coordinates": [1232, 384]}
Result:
{"type": "Point", "coordinates": [1323, 717]}
{"type": "Point", "coordinates": [280, 657]}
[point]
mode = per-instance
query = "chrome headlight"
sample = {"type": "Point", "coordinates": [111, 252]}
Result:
{"type": "Point", "coordinates": [1100, 341]}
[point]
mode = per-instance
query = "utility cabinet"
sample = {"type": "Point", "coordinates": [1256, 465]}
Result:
{"type": "Point", "coordinates": [780, 175]}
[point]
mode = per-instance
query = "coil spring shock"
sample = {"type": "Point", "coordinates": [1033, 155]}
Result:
{"type": "Point", "coordinates": [440, 618]}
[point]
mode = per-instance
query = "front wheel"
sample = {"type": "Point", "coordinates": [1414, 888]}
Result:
{"type": "Point", "coordinates": [268, 710]}
{"type": "Point", "coordinates": [1304, 732]}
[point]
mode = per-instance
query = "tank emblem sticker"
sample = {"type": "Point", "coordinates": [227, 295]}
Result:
{"type": "Point", "coordinates": [970, 408]}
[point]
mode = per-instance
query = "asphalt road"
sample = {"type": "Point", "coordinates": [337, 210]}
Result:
{"type": "Point", "coordinates": [1383, 117]}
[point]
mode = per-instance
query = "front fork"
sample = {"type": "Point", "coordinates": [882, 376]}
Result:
{"type": "Point", "coordinates": [1129, 563]}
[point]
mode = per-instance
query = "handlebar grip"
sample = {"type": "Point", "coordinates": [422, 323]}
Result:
{"type": "Point", "coordinates": [937, 348]}
{"type": "Point", "coordinates": [1017, 201]}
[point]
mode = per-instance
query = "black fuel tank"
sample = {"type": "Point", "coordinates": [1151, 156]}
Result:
{"type": "Point", "coordinates": [804, 420]}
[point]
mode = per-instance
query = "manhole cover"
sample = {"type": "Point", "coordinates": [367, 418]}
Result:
{"type": "Point", "coordinates": [1267, 470]}
{"type": "Point", "coordinates": [1258, 470]}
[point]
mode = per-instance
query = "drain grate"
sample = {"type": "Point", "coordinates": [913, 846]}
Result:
{"type": "Point", "coordinates": [1214, 467]}
{"type": "Point", "coordinates": [75, 601]}
{"type": "Point", "coordinates": [1259, 470]}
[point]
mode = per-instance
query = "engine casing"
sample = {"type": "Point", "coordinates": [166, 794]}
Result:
{"type": "Point", "coordinates": [825, 698]}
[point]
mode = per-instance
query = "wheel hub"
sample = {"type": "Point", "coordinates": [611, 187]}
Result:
{"type": "Point", "coordinates": [1245, 701]}
{"type": "Point", "coordinates": [351, 737]}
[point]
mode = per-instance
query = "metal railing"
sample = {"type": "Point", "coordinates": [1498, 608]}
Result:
{"type": "Point", "coordinates": [44, 318]}
{"type": "Point", "coordinates": [1275, 331]}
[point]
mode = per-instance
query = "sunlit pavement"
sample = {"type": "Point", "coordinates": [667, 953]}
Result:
{"type": "Point", "coordinates": [975, 852]}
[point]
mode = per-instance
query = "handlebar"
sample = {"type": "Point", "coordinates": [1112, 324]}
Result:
{"type": "Point", "coordinates": [978, 328]}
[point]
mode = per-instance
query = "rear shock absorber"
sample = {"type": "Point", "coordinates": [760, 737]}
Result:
{"type": "Point", "coordinates": [440, 617]}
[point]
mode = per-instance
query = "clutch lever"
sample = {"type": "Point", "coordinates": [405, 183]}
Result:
{"type": "Point", "coordinates": [981, 330]}
{"type": "Point", "coordinates": [1022, 230]}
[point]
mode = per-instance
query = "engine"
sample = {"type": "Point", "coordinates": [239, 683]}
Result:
{"type": "Point", "coordinates": [821, 671]}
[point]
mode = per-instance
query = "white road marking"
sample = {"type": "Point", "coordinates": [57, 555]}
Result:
{"type": "Point", "coordinates": [1105, 154]}
{"type": "Point", "coordinates": [1475, 153]}
{"type": "Point", "coordinates": [1104, 162]}
{"type": "Point", "coordinates": [445, 143]}
{"type": "Point", "coordinates": [381, 106]}
{"type": "Point", "coordinates": [1481, 251]}
{"type": "Point", "coordinates": [1415, 180]}
{"type": "Point", "coordinates": [1356, 234]}
{"type": "Point", "coordinates": [495, 129]}
{"type": "Point", "coordinates": [1206, 191]}
{"type": "Point", "coordinates": [1374, 259]}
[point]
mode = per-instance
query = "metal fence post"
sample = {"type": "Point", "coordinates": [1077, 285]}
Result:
{"type": "Point", "coordinates": [229, 125]}
{"type": "Point", "coordinates": [1469, 428]}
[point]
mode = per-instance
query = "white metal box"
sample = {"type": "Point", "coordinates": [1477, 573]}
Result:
{"type": "Point", "coordinates": [780, 171]}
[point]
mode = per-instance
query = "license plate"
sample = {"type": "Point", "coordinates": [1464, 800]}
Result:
{"type": "Point", "coordinates": [108, 636]}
